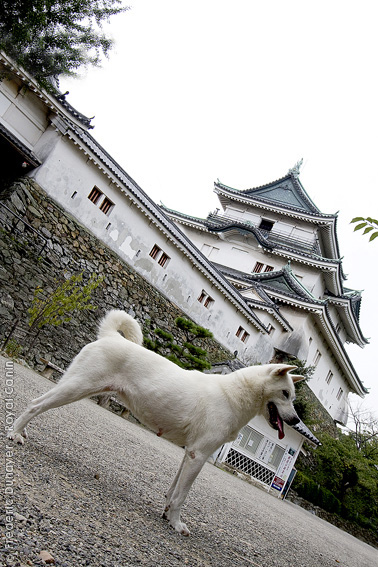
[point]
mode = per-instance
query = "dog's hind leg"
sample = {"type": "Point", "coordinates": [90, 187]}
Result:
{"type": "Point", "coordinates": [63, 393]}
{"type": "Point", "coordinates": [190, 467]}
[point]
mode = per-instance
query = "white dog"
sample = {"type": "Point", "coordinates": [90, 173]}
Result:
{"type": "Point", "coordinates": [197, 411]}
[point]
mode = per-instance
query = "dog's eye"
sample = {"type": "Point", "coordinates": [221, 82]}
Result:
{"type": "Point", "coordinates": [286, 394]}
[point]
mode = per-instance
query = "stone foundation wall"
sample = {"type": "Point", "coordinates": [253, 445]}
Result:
{"type": "Point", "coordinates": [41, 245]}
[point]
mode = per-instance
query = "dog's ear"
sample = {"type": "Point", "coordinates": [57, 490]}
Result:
{"type": "Point", "coordinates": [296, 378]}
{"type": "Point", "coordinates": [280, 370]}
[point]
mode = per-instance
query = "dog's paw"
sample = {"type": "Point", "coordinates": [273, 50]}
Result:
{"type": "Point", "coordinates": [182, 529]}
{"type": "Point", "coordinates": [172, 518]}
{"type": "Point", "coordinates": [18, 437]}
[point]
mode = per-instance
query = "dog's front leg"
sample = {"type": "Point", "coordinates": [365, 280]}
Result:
{"type": "Point", "coordinates": [168, 496]}
{"type": "Point", "coordinates": [190, 467]}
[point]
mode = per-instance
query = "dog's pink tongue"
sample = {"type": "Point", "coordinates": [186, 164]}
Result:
{"type": "Point", "coordinates": [280, 424]}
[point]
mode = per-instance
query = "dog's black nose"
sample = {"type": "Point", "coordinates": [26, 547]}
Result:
{"type": "Point", "coordinates": [292, 420]}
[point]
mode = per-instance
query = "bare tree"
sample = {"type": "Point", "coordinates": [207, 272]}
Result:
{"type": "Point", "coordinates": [364, 430]}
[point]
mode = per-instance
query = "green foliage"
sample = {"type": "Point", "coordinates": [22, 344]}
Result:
{"type": "Point", "coordinates": [192, 330]}
{"type": "Point", "coordinates": [184, 324]}
{"type": "Point", "coordinates": [55, 37]}
{"type": "Point", "coordinates": [341, 470]}
{"type": "Point", "coordinates": [315, 493]}
{"type": "Point", "coordinates": [194, 350]}
{"type": "Point", "coordinates": [164, 335]}
{"type": "Point", "coordinates": [187, 355]}
{"type": "Point", "coordinates": [13, 349]}
{"type": "Point", "coordinates": [57, 307]}
{"type": "Point", "coordinates": [151, 345]}
{"type": "Point", "coordinates": [369, 225]}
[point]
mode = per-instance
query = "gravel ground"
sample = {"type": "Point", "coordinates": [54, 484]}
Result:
{"type": "Point", "coordinates": [88, 489]}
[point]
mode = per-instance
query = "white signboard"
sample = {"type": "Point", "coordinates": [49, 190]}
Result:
{"type": "Point", "coordinates": [265, 450]}
{"type": "Point", "coordinates": [286, 464]}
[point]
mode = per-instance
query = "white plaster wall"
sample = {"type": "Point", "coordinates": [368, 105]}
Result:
{"type": "Point", "coordinates": [294, 228]}
{"type": "Point", "coordinates": [22, 112]}
{"type": "Point", "coordinates": [337, 321]}
{"type": "Point", "coordinates": [327, 393]}
{"type": "Point", "coordinates": [242, 253]}
{"type": "Point", "coordinates": [67, 172]}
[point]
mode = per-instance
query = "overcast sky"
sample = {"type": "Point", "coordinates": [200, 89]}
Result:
{"type": "Point", "coordinates": [240, 91]}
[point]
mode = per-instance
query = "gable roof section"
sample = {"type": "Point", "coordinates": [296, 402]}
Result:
{"type": "Point", "coordinates": [276, 283]}
{"type": "Point", "coordinates": [286, 196]}
{"type": "Point", "coordinates": [254, 295]}
{"type": "Point", "coordinates": [286, 193]}
{"type": "Point", "coordinates": [284, 281]}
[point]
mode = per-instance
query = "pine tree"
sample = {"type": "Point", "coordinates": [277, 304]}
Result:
{"type": "Point", "coordinates": [188, 355]}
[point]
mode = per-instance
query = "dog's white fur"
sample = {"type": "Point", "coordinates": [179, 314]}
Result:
{"type": "Point", "coordinates": [194, 410]}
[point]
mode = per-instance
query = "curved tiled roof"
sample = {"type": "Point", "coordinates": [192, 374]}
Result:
{"type": "Point", "coordinates": [61, 97]}
{"type": "Point", "coordinates": [286, 196]}
{"type": "Point", "coordinates": [302, 251]}
{"type": "Point", "coordinates": [286, 192]}
{"type": "Point", "coordinates": [281, 280]}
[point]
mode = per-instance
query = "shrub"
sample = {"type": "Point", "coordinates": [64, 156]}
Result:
{"type": "Point", "coordinates": [313, 492]}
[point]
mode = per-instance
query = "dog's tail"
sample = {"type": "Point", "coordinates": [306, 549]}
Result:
{"type": "Point", "coordinates": [118, 320]}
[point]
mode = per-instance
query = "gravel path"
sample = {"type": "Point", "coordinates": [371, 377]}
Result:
{"type": "Point", "coordinates": [88, 488]}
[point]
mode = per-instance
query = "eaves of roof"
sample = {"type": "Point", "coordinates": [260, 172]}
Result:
{"type": "Point", "coordinates": [188, 220]}
{"type": "Point", "coordinates": [338, 347]}
{"type": "Point", "coordinates": [350, 310]}
{"type": "Point", "coordinates": [282, 280]}
{"type": "Point", "coordinates": [265, 303]}
{"type": "Point", "coordinates": [84, 120]}
{"type": "Point", "coordinates": [305, 431]}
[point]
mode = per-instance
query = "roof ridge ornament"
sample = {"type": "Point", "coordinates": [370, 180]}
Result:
{"type": "Point", "coordinates": [295, 171]}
